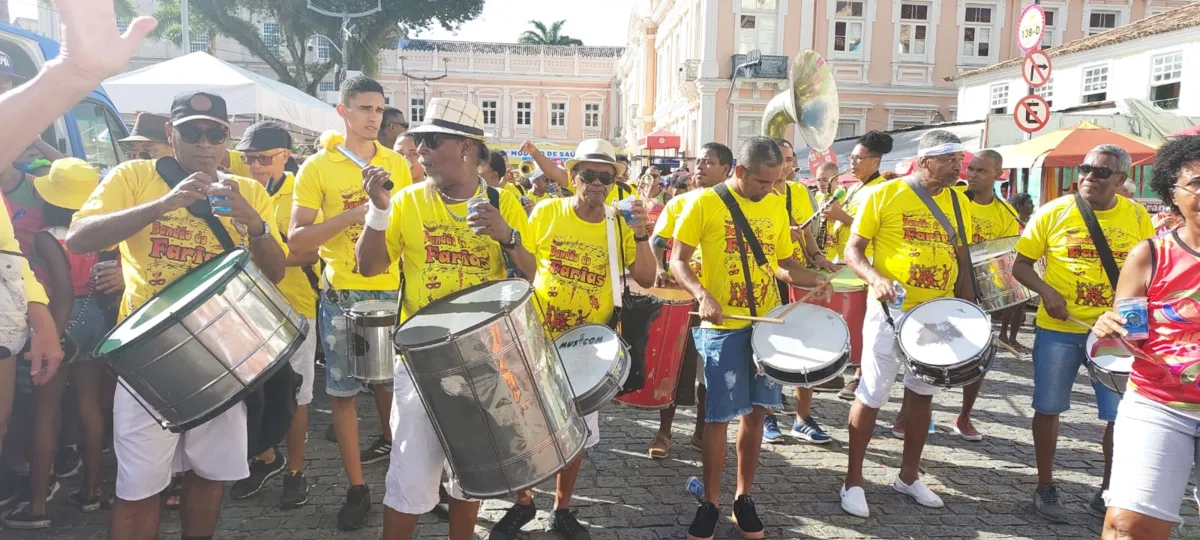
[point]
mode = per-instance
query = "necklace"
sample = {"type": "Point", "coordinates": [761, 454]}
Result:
{"type": "Point", "coordinates": [456, 200]}
{"type": "Point", "coordinates": [457, 218]}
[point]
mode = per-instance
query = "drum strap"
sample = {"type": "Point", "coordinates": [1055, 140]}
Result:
{"type": "Point", "coordinates": [745, 235]}
{"type": "Point", "coordinates": [493, 196]}
{"type": "Point", "coordinates": [1098, 240]}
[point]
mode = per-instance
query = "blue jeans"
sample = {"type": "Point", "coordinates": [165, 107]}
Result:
{"type": "Point", "coordinates": [734, 386]}
{"type": "Point", "coordinates": [334, 332]}
{"type": "Point", "coordinates": [1057, 357]}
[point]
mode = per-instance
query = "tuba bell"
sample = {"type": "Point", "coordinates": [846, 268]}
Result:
{"type": "Point", "coordinates": [811, 102]}
{"type": "Point", "coordinates": [526, 168]}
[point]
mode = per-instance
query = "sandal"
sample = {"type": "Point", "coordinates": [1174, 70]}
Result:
{"type": "Point", "coordinates": [173, 492]}
{"type": "Point", "coordinates": [660, 447]}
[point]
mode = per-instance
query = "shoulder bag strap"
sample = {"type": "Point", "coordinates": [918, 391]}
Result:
{"type": "Point", "coordinates": [740, 223]}
{"type": "Point", "coordinates": [172, 173]}
{"type": "Point", "coordinates": [493, 196]}
{"type": "Point", "coordinates": [787, 194]}
{"type": "Point", "coordinates": [614, 270]}
{"type": "Point", "coordinates": [964, 252]}
{"type": "Point", "coordinates": [940, 216]}
{"type": "Point", "coordinates": [1098, 240]}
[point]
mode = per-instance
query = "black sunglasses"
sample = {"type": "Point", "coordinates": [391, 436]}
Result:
{"type": "Point", "coordinates": [1100, 173]}
{"type": "Point", "coordinates": [431, 140]}
{"type": "Point", "coordinates": [587, 177]}
{"type": "Point", "coordinates": [192, 135]}
{"type": "Point", "coordinates": [264, 160]}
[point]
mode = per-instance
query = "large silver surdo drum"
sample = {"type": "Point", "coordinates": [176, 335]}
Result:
{"type": "Point", "coordinates": [495, 392]}
{"type": "Point", "coordinates": [204, 342]}
{"type": "Point", "coordinates": [993, 263]}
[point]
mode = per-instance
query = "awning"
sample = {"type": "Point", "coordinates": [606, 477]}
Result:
{"type": "Point", "coordinates": [660, 140]}
{"type": "Point", "coordinates": [1068, 146]}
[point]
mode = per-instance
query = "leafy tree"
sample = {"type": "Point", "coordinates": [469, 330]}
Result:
{"type": "Point", "coordinates": [298, 26]}
{"type": "Point", "coordinates": [542, 35]}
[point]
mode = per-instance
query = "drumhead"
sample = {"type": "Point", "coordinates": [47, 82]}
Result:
{"type": "Point", "coordinates": [461, 312]}
{"type": "Point", "coordinates": [588, 353]}
{"type": "Point", "coordinates": [811, 338]}
{"type": "Point", "coordinates": [993, 248]}
{"type": "Point", "coordinates": [944, 332]}
{"type": "Point", "coordinates": [670, 295]}
{"type": "Point", "coordinates": [180, 296]}
{"type": "Point", "coordinates": [842, 280]}
{"type": "Point", "coordinates": [1111, 363]}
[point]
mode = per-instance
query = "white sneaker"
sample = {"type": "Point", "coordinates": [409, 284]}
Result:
{"type": "Point", "coordinates": [854, 502]}
{"type": "Point", "coordinates": [919, 492]}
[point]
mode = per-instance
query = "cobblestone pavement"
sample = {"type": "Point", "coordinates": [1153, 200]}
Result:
{"type": "Point", "coordinates": [987, 485]}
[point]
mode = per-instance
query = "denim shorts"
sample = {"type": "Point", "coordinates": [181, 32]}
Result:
{"type": "Point", "coordinates": [87, 327]}
{"type": "Point", "coordinates": [734, 385]}
{"type": "Point", "coordinates": [332, 320]}
{"type": "Point", "coordinates": [1057, 357]}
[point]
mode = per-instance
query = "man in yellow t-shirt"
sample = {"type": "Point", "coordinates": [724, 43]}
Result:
{"type": "Point", "coordinates": [430, 232]}
{"type": "Point", "coordinates": [160, 241]}
{"type": "Point", "coordinates": [1076, 286]}
{"type": "Point", "coordinates": [329, 184]}
{"type": "Point", "coordinates": [569, 239]}
{"type": "Point", "coordinates": [913, 249]}
{"type": "Point", "coordinates": [266, 149]}
{"type": "Point", "coordinates": [724, 290]}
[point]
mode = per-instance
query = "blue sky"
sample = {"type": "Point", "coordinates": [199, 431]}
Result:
{"type": "Point", "coordinates": [594, 22]}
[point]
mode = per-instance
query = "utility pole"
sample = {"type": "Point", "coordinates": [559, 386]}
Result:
{"type": "Point", "coordinates": [187, 28]}
{"type": "Point", "coordinates": [346, 18]}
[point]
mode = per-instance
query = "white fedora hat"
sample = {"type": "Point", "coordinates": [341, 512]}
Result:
{"type": "Point", "coordinates": [453, 116]}
{"type": "Point", "coordinates": [596, 151]}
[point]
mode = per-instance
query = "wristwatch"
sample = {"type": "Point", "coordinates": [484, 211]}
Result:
{"type": "Point", "coordinates": [266, 232]}
{"type": "Point", "coordinates": [513, 240]}
{"type": "Point", "coordinates": [641, 238]}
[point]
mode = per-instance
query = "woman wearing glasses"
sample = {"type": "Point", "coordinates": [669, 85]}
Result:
{"type": "Point", "coordinates": [1159, 417]}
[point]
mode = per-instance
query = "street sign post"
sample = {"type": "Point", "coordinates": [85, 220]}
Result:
{"type": "Point", "coordinates": [1036, 69]}
{"type": "Point", "coordinates": [1029, 31]}
{"type": "Point", "coordinates": [1031, 113]}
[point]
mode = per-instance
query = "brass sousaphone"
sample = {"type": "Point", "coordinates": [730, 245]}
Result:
{"type": "Point", "coordinates": [810, 102]}
{"type": "Point", "coordinates": [526, 168]}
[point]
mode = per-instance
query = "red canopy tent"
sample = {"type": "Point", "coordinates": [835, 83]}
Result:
{"type": "Point", "coordinates": [660, 140]}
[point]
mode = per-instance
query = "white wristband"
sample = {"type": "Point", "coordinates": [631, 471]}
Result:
{"type": "Point", "coordinates": [378, 219]}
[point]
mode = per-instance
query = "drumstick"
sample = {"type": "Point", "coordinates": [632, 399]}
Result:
{"type": "Point", "coordinates": [1007, 347]}
{"type": "Point", "coordinates": [1133, 350]}
{"type": "Point", "coordinates": [747, 318]}
{"type": "Point", "coordinates": [806, 297]}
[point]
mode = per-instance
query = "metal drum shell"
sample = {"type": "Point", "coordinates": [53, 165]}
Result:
{"type": "Point", "coordinates": [956, 375]}
{"type": "Point", "coordinates": [496, 395]}
{"type": "Point", "coordinates": [992, 265]}
{"type": "Point", "coordinates": [208, 354]}
{"type": "Point", "coordinates": [1113, 374]}
{"type": "Point", "coordinates": [590, 400]}
{"type": "Point", "coordinates": [802, 378]}
{"type": "Point", "coordinates": [372, 357]}
{"type": "Point", "coordinates": [664, 351]}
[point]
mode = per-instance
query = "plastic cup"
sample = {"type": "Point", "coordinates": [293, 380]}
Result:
{"type": "Point", "coordinates": [215, 199]}
{"type": "Point", "coordinates": [1137, 321]}
{"type": "Point", "coordinates": [625, 206]}
{"type": "Point", "coordinates": [474, 206]}
{"type": "Point", "coordinates": [696, 488]}
{"type": "Point", "coordinates": [898, 304]}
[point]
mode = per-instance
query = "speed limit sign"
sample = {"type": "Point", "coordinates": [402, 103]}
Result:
{"type": "Point", "coordinates": [1031, 27]}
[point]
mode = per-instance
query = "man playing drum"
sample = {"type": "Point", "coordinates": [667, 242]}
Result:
{"type": "Point", "coordinates": [712, 167]}
{"type": "Point", "coordinates": [160, 240]}
{"type": "Point", "coordinates": [569, 239]}
{"type": "Point", "coordinates": [330, 185]}
{"type": "Point", "coordinates": [898, 224]}
{"type": "Point", "coordinates": [430, 231]}
{"type": "Point", "coordinates": [727, 292]}
{"type": "Point", "coordinates": [1076, 286]}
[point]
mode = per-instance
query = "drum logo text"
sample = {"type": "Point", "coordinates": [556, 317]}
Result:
{"type": "Point", "coordinates": [582, 341]}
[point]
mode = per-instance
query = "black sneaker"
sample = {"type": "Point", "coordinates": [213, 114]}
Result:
{"type": "Point", "coordinates": [9, 489]}
{"type": "Point", "coordinates": [745, 518]}
{"type": "Point", "coordinates": [704, 525]}
{"type": "Point", "coordinates": [510, 525]}
{"type": "Point", "coordinates": [24, 491]}
{"type": "Point", "coordinates": [67, 462]}
{"type": "Point", "coordinates": [353, 515]}
{"type": "Point", "coordinates": [567, 527]}
{"type": "Point", "coordinates": [79, 500]}
{"type": "Point", "coordinates": [21, 519]}
{"type": "Point", "coordinates": [1047, 504]}
{"type": "Point", "coordinates": [379, 451]}
{"type": "Point", "coordinates": [260, 472]}
{"type": "Point", "coordinates": [295, 490]}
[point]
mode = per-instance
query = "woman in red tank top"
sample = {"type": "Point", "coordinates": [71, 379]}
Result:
{"type": "Point", "coordinates": [1157, 434]}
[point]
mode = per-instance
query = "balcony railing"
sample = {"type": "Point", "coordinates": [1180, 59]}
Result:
{"type": "Point", "coordinates": [1168, 104]}
{"type": "Point", "coordinates": [772, 67]}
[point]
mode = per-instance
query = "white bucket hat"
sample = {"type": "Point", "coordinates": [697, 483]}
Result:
{"type": "Point", "coordinates": [453, 116]}
{"type": "Point", "coordinates": [596, 151]}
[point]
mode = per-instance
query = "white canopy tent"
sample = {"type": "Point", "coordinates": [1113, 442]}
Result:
{"type": "Point", "coordinates": [152, 88]}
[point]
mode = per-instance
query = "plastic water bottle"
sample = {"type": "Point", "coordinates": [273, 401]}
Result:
{"type": "Point", "coordinates": [898, 303]}
{"type": "Point", "coordinates": [696, 488]}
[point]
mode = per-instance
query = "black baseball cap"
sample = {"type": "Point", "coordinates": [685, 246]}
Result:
{"type": "Point", "coordinates": [199, 106]}
{"type": "Point", "coordinates": [264, 136]}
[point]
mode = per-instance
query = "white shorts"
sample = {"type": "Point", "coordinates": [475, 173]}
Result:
{"type": "Point", "coordinates": [881, 363]}
{"type": "Point", "coordinates": [147, 454]}
{"type": "Point", "coordinates": [304, 362]}
{"type": "Point", "coordinates": [1154, 450]}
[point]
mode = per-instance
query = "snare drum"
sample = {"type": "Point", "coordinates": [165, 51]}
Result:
{"type": "Point", "coordinates": [992, 264]}
{"type": "Point", "coordinates": [664, 349]}
{"type": "Point", "coordinates": [812, 345]}
{"type": "Point", "coordinates": [597, 363]}
{"type": "Point", "coordinates": [849, 299]}
{"type": "Point", "coordinates": [371, 324]}
{"type": "Point", "coordinates": [946, 342]}
{"type": "Point", "coordinates": [205, 342]}
{"type": "Point", "coordinates": [1111, 371]}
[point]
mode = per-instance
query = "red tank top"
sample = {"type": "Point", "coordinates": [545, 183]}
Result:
{"type": "Point", "coordinates": [1174, 312]}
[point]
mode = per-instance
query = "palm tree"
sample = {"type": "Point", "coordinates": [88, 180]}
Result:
{"type": "Point", "coordinates": [541, 35]}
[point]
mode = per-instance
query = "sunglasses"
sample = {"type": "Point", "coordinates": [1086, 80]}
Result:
{"type": "Point", "coordinates": [262, 159]}
{"type": "Point", "coordinates": [191, 135]}
{"type": "Point", "coordinates": [431, 140]}
{"type": "Point", "coordinates": [1100, 173]}
{"type": "Point", "coordinates": [588, 177]}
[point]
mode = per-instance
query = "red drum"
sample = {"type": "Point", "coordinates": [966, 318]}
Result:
{"type": "Point", "coordinates": [664, 352]}
{"type": "Point", "coordinates": [850, 300]}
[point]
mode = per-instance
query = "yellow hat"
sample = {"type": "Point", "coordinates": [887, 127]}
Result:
{"type": "Point", "coordinates": [70, 182]}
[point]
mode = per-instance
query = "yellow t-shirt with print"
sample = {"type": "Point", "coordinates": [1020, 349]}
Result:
{"type": "Point", "coordinates": [34, 292]}
{"type": "Point", "coordinates": [1057, 232]}
{"type": "Point", "coordinates": [802, 209]}
{"type": "Point", "coordinates": [573, 284]}
{"type": "Point", "coordinates": [837, 235]}
{"type": "Point", "coordinates": [437, 251]}
{"type": "Point", "coordinates": [295, 286]}
{"type": "Point", "coordinates": [668, 221]}
{"type": "Point", "coordinates": [174, 243]}
{"type": "Point", "coordinates": [992, 221]}
{"type": "Point", "coordinates": [910, 245]}
{"type": "Point", "coordinates": [332, 184]}
{"type": "Point", "coordinates": [706, 224]}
